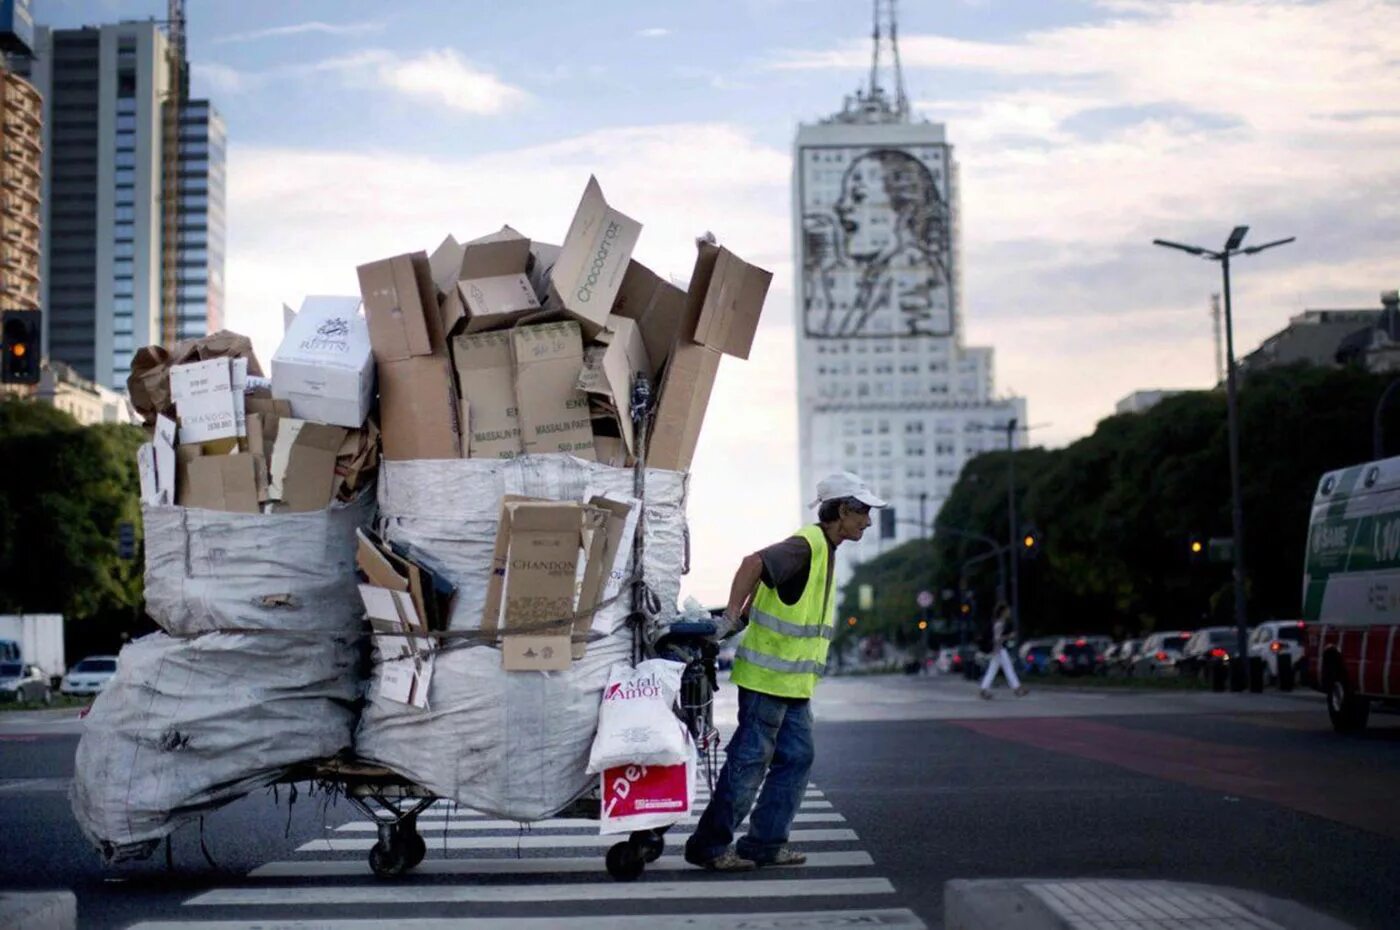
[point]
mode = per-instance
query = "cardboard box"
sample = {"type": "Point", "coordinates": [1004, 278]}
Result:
{"type": "Point", "coordinates": [203, 395]}
{"type": "Point", "coordinates": [490, 421]}
{"type": "Point", "coordinates": [484, 282]}
{"type": "Point", "coordinates": [680, 411]}
{"type": "Point", "coordinates": [553, 411]}
{"type": "Point", "coordinates": [302, 470]}
{"type": "Point", "coordinates": [610, 367]}
{"type": "Point", "coordinates": [534, 653]}
{"type": "Point", "coordinates": [324, 366]}
{"type": "Point", "coordinates": [657, 306]}
{"type": "Point", "coordinates": [587, 275]}
{"type": "Point", "coordinates": [220, 482]}
{"type": "Point", "coordinates": [401, 308]}
{"type": "Point", "coordinates": [730, 293]}
{"type": "Point", "coordinates": [418, 409]}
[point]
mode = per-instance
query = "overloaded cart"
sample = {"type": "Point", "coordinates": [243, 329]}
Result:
{"type": "Point", "coordinates": [437, 555]}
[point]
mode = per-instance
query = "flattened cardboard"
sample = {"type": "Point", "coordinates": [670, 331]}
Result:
{"type": "Point", "coordinates": [609, 369]}
{"type": "Point", "coordinates": [587, 275]}
{"type": "Point", "coordinates": [541, 565]}
{"type": "Point", "coordinates": [257, 448]}
{"type": "Point", "coordinates": [146, 471]}
{"type": "Point", "coordinates": [553, 411]}
{"type": "Point", "coordinates": [221, 482]}
{"type": "Point", "coordinates": [490, 420]}
{"type": "Point", "coordinates": [418, 409]}
{"type": "Point", "coordinates": [401, 308]}
{"type": "Point", "coordinates": [495, 585]}
{"type": "Point", "coordinates": [238, 379]}
{"type": "Point", "coordinates": [403, 674]}
{"type": "Point", "coordinates": [732, 300]}
{"type": "Point", "coordinates": [658, 307]}
{"type": "Point", "coordinates": [308, 483]}
{"type": "Point", "coordinates": [324, 366]}
{"type": "Point", "coordinates": [535, 653]}
{"type": "Point", "coordinates": [156, 462]}
{"type": "Point", "coordinates": [602, 521]}
{"type": "Point", "coordinates": [610, 450]}
{"type": "Point", "coordinates": [272, 412]}
{"type": "Point", "coordinates": [203, 396]}
{"type": "Point", "coordinates": [680, 411]}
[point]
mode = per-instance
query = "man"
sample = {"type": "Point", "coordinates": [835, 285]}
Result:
{"type": "Point", "coordinates": [785, 591]}
{"type": "Point", "coordinates": [1001, 632]}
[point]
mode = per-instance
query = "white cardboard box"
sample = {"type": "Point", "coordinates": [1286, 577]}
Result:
{"type": "Point", "coordinates": [324, 366]}
{"type": "Point", "coordinates": [204, 402]}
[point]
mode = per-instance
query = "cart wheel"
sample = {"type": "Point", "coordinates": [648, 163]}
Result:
{"type": "Point", "coordinates": [388, 861]}
{"type": "Point", "coordinates": [414, 848]}
{"type": "Point", "coordinates": [651, 845]}
{"type": "Point", "coordinates": [625, 862]}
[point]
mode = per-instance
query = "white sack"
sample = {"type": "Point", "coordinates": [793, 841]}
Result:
{"type": "Point", "coordinates": [636, 724]}
{"type": "Point", "coordinates": [510, 744]}
{"type": "Point", "coordinates": [199, 719]}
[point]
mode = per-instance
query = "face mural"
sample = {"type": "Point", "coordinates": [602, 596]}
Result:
{"type": "Point", "coordinates": [877, 239]}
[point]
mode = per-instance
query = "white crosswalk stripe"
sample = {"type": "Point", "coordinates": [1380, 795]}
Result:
{"type": "Point", "coordinates": [476, 860]}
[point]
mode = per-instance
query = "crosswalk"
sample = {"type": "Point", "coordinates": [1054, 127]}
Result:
{"type": "Point", "coordinates": [485, 873]}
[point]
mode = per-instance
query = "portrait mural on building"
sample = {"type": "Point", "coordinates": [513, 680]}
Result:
{"type": "Point", "coordinates": [877, 246]}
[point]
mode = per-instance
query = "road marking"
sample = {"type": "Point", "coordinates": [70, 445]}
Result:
{"type": "Point", "coordinates": [322, 868]}
{"type": "Point", "coordinates": [892, 918]}
{"type": "Point", "coordinates": [438, 814]}
{"type": "Point", "coordinates": [531, 841]}
{"type": "Point", "coordinates": [438, 826]}
{"type": "Point", "coordinates": [506, 894]}
{"type": "Point", "coordinates": [35, 785]}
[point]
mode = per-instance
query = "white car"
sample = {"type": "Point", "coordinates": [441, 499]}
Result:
{"type": "Point", "coordinates": [1271, 639]}
{"type": "Point", "coordinates": [89, 676]}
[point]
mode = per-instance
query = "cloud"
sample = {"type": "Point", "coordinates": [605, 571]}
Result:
{"type": "Point", "coordinates": [296, 29]}
{"type": "Point", "coordinates": [441, 76]}
{"type": "Point", "coordinates": [300, 220]}
{"type": "Point", "coordinates": [654, 32]}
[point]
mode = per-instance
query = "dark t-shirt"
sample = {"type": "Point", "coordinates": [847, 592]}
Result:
{"type": "Point", "coordinates": [786, 565]}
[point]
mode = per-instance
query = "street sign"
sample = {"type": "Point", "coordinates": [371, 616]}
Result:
{"type": "Point", "coordinates": [925, 599]}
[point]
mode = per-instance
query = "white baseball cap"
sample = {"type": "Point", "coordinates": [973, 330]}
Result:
{"type": "Point", "coordinates": [845, 484]}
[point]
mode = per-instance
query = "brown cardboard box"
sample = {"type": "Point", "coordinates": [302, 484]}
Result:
{"type": "Point", "coordinates": [418, 409]}
{"type": "Point", "coordinates": [609, 368]}
{"type": "Point", "coordinates": [484, 282]}
{"type": "Point", "coordinates": [680, 411]}
{"type": "Point", "coordinates": [220, 482]}
{"type": "Point", "coordinates": [309, 481]}
{"type": "Point", "coordinates": [587, 275]}
{"type": "Point", "coordinates": [658, 307]}
{"type": "Point", "coordinates": [401, 307]}
{"type": "Point", "coordinates": [553, 411]}
{"type": "Point", "coordinates": [733, 293]}
{"type": "Point", "coordinates": [490, 422]}
{"type": "Point", "coordinates": [539, 585]}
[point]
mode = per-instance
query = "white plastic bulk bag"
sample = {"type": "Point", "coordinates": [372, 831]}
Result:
{"type": "Point", "coordinates": [636, 723]}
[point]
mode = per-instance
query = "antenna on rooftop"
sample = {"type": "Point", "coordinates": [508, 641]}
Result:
{"type": "Point", "coordinates": [873, 104]}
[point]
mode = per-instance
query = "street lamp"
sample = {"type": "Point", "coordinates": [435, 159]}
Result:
{"type": "Point", "coordinates": [1232, 247]}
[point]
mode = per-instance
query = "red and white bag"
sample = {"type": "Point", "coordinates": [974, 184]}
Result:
{"type": "Point", "coordinates": [642, 797]}
{"type": "Point", "coordinates": [636, 725]}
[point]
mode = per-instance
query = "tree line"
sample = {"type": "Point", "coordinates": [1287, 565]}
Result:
{"type": "Point", "coordinates": [1116, 510]}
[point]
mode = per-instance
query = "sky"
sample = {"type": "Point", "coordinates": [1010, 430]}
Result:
{"type": "Point", "coordinates": [1084, 129]}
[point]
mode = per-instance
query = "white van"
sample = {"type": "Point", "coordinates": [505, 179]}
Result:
{"type": "Point", "coordinates": [1351, 590]}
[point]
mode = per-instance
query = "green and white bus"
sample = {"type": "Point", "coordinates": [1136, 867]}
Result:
{"type": "Point", "coordinates": [1351, 590]}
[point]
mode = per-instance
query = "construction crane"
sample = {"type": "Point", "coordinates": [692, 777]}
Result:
{"type": "Point", "coordinates": [174, 108]}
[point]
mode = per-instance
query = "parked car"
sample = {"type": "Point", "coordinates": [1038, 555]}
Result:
{"type": "Point", "coordinates": [1212, 642]}
{"type": "Point", "coordinates": [1076, 656]}
{"type": "Point", "coordinates": [89, 676]}
{"type": "Point", "coordinates": [1034, 656]}
{"type": "Point", "coordinates": [1159, 653]}
{"type": "Point", "coordinates": [24, 683]}
{"type": "Point", "coordinates": [1272, 639]}
{"type": "Point", "coordinates": [1118, 658]}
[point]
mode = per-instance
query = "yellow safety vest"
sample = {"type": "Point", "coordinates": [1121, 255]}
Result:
{"type": "Point", "coordinates": [783, 651]}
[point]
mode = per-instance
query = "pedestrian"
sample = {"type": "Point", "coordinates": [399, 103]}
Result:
{"type": "Point", "coordinates": [1001, 633]}
{"type": "Point", "coordinates": [784, 592]}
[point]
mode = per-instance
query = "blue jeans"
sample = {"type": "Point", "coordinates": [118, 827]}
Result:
{"type": "Point", "coordinates": [774, 738]}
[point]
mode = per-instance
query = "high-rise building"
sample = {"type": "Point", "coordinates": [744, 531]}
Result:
{"type": "Point", "coordinates": [886, 386]}
{"type": "Point", "coordinates": [21, 158]}
{"type": "Point", "coordinates": [109, 272]}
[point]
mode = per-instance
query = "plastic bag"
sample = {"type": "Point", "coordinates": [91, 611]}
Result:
{"type": "Point", "coordinates": [644, 797]}
{"type": "Point", "coordinates": [636, 725]}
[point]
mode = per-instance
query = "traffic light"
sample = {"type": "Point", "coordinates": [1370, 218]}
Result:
{"type": "Point", "coordinates": [1197, 550]}
{"type": "Point", "coordinates": [126, 541]}
{"type": "Point", "coordinates": [923, 624]}
{"type": "Point", "coordinates": [20, 345]}
{"type": "Point", "coordinates": [1030, 542]}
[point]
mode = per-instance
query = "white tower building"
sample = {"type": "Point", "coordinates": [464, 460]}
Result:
{"type": "Point", "coordinates": [886, 387]}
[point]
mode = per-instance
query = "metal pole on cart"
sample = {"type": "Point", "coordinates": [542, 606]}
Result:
{"type": "Point", "coordinates": [640, 413]}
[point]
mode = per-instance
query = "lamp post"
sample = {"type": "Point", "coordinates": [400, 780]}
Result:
{"type": "Point", "coordinates": [1232, 247]}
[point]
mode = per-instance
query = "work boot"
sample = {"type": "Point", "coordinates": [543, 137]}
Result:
{"type": "Point", "coordinates": [1022, 691]}
{"type": "Point", "coordinates": [785, 856]}
{"type": "Point", "coordinates": [986, 694]}
{"type": "Point", "coordinates": [727, 861]}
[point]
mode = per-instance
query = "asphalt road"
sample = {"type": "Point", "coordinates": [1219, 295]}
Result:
{"type": "Point", "coordinates": [917, 782]}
